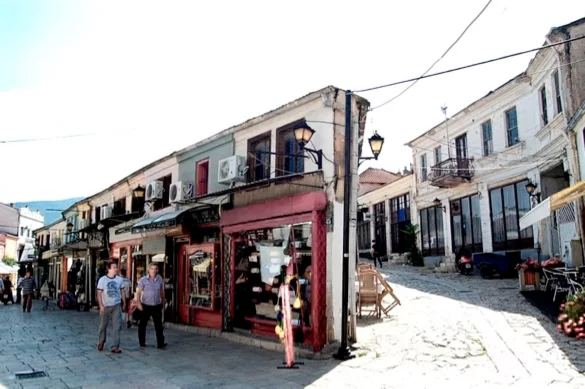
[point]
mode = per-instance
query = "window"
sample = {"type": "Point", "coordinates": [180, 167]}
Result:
{"type": "Point", "coordinates": [380, 227]}
{"type": "Point", "coordinates": [98, 214]}
{"type": "Point", "coordinates": [259, 157]}
{"type": "Point", "coordinates": [21, 231]}
{"type": "Point", "coordinates": [431, 222]}
{"type": "Point", "coordinates": [543, 106]}
{"type": "Point", "coordinates": [399, 221]}
{"type": "Point", "coordinates": [512, 127]}
{"type": "Point", "coordinates": [558, 100]}
{"type": "Point", "coordinates": [290, 156]}
{"type": "Point", "coordinates": [466, 224]}
{"type": "Point", "coordinates": [437, 155]}
{"type": "Point", "coordinates": [363, 230]}
{"type": "Point", "coordinates": [84, 215]}
{"type": "Point", "coordinates": [202, 178]}
{"type": "Point", "coordinates": [164, 202]}
{"type": "Point", "coordinates": [423, 168]}
{"type": "Point", "coordinates": [508, 204]}
{"type": "Point", "coordinates": [119, 207]}
{"type": "Point", "coordinates": [488, 143]}
{"type": "Point", "coordinates": [461, 146]}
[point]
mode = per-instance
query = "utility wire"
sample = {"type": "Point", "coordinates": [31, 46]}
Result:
{"type": "Point", "coordinates": [438, 60]}
{"type": "Point", "coordinates": [469, 66]}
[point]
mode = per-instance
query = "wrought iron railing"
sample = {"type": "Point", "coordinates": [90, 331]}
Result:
{"type": "Point", "coordinates": [452, 167]}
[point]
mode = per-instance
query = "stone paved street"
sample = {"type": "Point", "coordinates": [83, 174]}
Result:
{"type": "Point", "coordinates": [451, 331]}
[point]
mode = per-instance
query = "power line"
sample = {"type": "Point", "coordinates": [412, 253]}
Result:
{"type": "Point", "coordinates": [469, 66]}
{"type": "Point", "coordinates": [438, 60]}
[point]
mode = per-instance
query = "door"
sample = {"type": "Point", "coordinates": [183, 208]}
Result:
{"type": "Point", "coordinates": [380, 227]}
{"type": "Point", "coordinates": [462, 155]}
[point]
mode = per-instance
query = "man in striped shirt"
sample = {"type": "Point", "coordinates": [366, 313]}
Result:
{"type": "Point", "coordinates": [28, 286]}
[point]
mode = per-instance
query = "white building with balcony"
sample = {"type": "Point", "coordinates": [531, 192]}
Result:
{"type": "Point", "coordinates": [29, 221]}
{"type": "Point", "coordinates": [472, 170]}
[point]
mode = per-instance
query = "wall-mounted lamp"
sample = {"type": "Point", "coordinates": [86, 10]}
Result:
{"type": "Point", "coordinates": [69, 227]}
{"type": "Point", "coordinates": [138, 192]}
{"type": "Point", "coordinates": [376, 143]}
{"type": "Point", "coordinates": [437, 203]}
{"type": "Point", "coordinates": [530, 188]}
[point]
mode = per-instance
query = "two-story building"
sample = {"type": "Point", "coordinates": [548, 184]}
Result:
{"type": "Point", "coordinates": [9, 231]}
{"type": "Point", "coordinates": [28, 222]}
{"type": "Point", "coordinates": [476, 172]}
{"type": "Point", "coordinates": [49, 240]}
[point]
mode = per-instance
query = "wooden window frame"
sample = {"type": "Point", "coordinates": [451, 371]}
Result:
{"type": "Point", "coordinates": [281, 154]}
{"type": "Point", "coordinates": [543, 105]}
{"type": "Point", "coordinates": [557, 91]}
{"type": "Point", "coordinates": [253, 162]}
{"type": "Point", "coordinates": [424, 174]}
{"type": "Point", "coordinates": [509, 129]}
{"type": "Point", "coordinates": [487, 144]}
{"type": "Point", "coordinates": [198, 167]}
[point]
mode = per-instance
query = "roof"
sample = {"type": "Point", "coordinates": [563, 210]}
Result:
{"type": "Point", "coordinates": [464, 110]}
{"type": "Point", "coordinates": [378, 176]}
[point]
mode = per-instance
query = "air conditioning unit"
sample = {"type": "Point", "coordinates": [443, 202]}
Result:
{"type": "Point", "coordinates": [83, 223]}
{"type": "Point", "coordinates": [181, 191]}
{"type": "Point", "coordinates": [232, 169]}
{"type": "Point", "coordinates": [105, 212]}
{"type": "Point", "coordinates": [154, 191]}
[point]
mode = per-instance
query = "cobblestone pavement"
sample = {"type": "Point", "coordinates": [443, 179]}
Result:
{"type": "Point", "coordinates": [451, 331]}
{"type": "Point", "coordinates": [463, 331]}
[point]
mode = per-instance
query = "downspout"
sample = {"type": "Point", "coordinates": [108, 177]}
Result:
{"type": "Point", "coordinates": [574, 167]}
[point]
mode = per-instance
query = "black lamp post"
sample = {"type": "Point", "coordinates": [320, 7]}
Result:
{"type": "Point", "coordinates": [376, 143]}
{"type": "Point", "coordinates": [69, 227]}
{"type": "Point", "coordinates": [437, 203]}
{"type": "Point", "coordinates": [138, 192]}
{"type": "Point", "coordinates": [303, 134]}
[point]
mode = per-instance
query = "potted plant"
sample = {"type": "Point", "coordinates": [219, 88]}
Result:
{"type": "Point", "coordinates": [527, 273]}
{"type": "Point", "coordinates": [552, 263]}
{"type": "Point", "coordinates": [571, 320]}
{"type": "Point", "coordinates": [413, 253]}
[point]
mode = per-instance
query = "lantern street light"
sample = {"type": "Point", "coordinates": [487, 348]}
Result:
{"type": "Point", "coordinates": [69, 227]}
{"type": "Point", "coordinates": [376, 143]}
{"type": "Point", "coordinates": [437, 203]}
{"type": "Point", "coordinates": [138, 191]}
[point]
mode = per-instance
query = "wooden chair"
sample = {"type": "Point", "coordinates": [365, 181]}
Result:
{"type": "Point", "coordinates": [388, 291]}
{"type": "Point", "coordinates": [368, 292]}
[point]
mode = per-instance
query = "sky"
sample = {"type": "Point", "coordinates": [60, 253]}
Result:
{"type": "Point", "coordinates": [141, 79]}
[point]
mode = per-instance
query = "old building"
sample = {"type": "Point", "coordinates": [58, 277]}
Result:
{"type": "Point", "coordinates": [9, 231]}
{"type": "Point", "coordinates": [28, 221]}
{"type": "Point", "coordinates": [372, 179]}
{"type": "Point", "coordinates": [472, 170]}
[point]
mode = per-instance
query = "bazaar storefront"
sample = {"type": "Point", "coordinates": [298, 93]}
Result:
{"type": "Point", "coordinates": [260, 243]}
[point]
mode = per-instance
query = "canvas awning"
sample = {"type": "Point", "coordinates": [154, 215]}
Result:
{"type": "Point", "coordinates": [28, 253]}
{"type": "Point", "coordinates": [6, 269]}
{"type": "Point", "coordinates": [551, 204]}
{"type": "Point", "coordinates": [158, 258]}
{"type": "Point", "coordinates": [154, 223]}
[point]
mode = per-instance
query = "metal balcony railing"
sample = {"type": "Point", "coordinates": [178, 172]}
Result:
{"type": "Point", "coordinates": [451, 171]}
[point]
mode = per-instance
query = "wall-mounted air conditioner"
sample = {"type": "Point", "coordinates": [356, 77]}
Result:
{"type": "Point", "coordinates": [181, 191]}
{"type": "Point", "coordinates": [232, 169]}
{"type": "Point", "coordinates": [154, 191]}
{"type": "Point", "coordinates": [105, 212]}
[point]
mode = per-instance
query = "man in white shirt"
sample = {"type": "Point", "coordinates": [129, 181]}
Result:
{"type": "Point", "coordinates": [112, 301]}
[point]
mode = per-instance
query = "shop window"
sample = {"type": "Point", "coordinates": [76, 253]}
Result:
{"type": "Point", "coordinates": [289, 155]}
{"type": "Point", "coordinates": [259, 157]}
{"type": "Point", "coordinates": [508, 204]}
{"type": "Point", "coordinates": [164, 202]}
{"type": "Point", "coordinates": [202, 178]}
{"type": "Point", "coordinates": [203, 278]}
{"type": "Point", "coordinates": [431, 222]}
{"type": "Point", "coordinates": [119, 207]}
{"type": "Point", "coordinates": [399, 222]}
{"type": "Point", "coordinates": [466, 224]}
{"type": "Point", "coordinates": [262, 260]}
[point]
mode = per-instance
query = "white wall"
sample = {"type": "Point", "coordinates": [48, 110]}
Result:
{"type": "Point", "coordinates": [29, 221]}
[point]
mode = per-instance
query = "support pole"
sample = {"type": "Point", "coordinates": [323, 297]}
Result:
{"type": "Point", "coordinates": [344, 353]}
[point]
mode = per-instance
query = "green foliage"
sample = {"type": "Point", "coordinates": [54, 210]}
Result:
{"type": "Point", "coordinates": [9, 261]}
{"type": "Point", "coordinates": [413, 255]}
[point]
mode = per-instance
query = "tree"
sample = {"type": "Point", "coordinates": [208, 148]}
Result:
{"type": "Point", "coordinates": [9, 261]}
{"type": "Point", "coordinates": [413, 254]}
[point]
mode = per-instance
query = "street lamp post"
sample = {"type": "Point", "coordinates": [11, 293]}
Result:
{"type": "Point", "coordinates": [376, 143]}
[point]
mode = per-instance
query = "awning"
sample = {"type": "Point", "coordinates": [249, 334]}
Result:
{"type": "Point", "coordinates": [5, 269]}
{"type": "Point", "coordinates": [167, 220]}
{"type": "Point", "coordinates": [28, 254]}
{"type": "Point", "coordinates": [49, 254]}
{"type": "Point", "coordinates": [158, 258]}
{"type": "Point", "coordinates": [551, 204]}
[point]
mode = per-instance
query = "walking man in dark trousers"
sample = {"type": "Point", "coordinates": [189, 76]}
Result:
{"type": "Point", "coordinates": [28, 286]}
{"type": "Point", "coordinates": [376, 253]}
{"type": "Point", "coordinates": [150, 300]}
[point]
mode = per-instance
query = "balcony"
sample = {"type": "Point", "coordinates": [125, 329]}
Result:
{"type": "Point", "coordinates": [56, 243]}
{"type": "Point", "coordinates": [451, 172]}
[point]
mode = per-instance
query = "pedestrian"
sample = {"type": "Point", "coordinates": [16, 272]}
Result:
{"type": "Point", "coordinates": [112, 301]}
{"type": "Point", "coordinates": [150, 301]}
{"type": "Point", "coordinates": [19, 289]}
{"type": "Point", "coordinates": [28, 286]}
{"type": "Point", "coordinates": [127, 284]}
{"type": "Point", "coordinates": [375, 251]}
{"type": "Point", "coordinates": [7, 293]}
{"type": "Point", "coordinates": [1, 287]}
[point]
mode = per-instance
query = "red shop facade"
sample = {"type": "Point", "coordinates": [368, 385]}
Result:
{"type": "Point", "coordinates": [259, 242]}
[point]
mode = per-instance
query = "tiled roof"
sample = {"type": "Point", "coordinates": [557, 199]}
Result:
{"type": "Point", "coordinates": [378, 176]}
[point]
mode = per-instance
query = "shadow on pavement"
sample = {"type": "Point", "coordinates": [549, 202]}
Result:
{"type": "Point", "coordinates": [63, 345]}
{"type": "Point", "coordinates": [500, 295]}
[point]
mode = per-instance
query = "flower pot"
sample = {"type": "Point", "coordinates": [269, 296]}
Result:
{"type": "Point", "coordinates": [528, 280]}
{"type": "Point", "coordinates": [529, 277]}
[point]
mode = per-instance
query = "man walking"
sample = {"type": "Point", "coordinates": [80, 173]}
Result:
{"type": "Point", "coordinates": [150, 298]}
{"type": "Point", "coordinates": [112, 301]}
{"type": "Point", "coordinates": [376, 253]}
{"type": "Point", "coordinates": [28, 285]}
